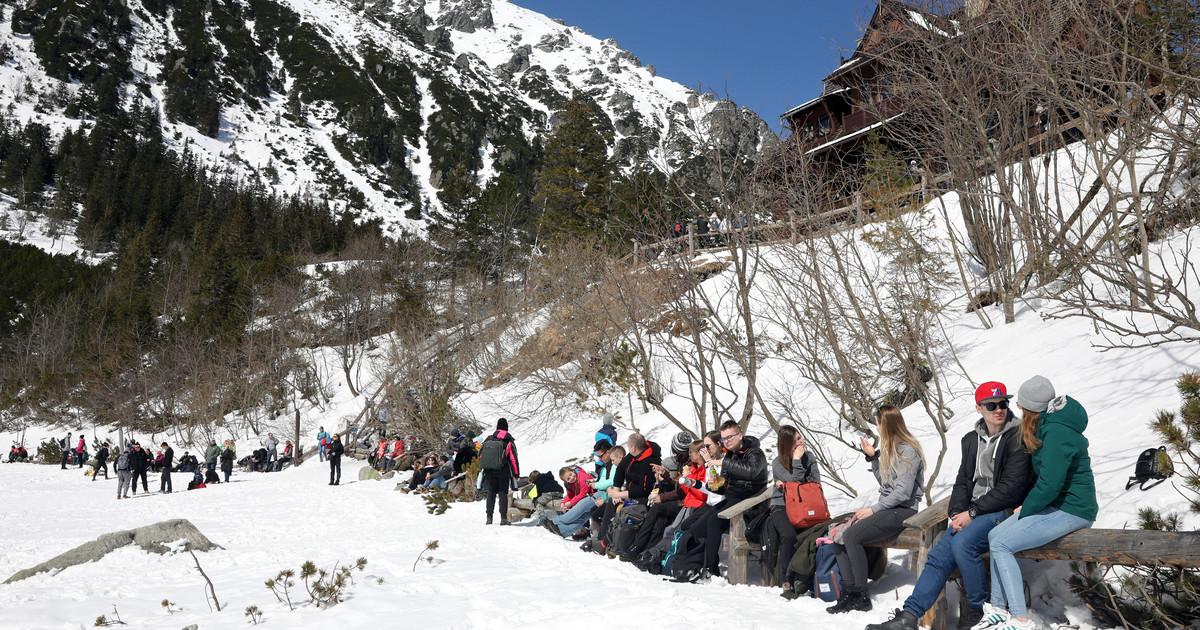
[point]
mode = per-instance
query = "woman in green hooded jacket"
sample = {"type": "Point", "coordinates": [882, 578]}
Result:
{"type": "Point", "coordinates": [1062, 499]}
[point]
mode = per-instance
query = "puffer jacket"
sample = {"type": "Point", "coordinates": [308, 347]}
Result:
{"type": "Point", "coordinates": [745, 470]}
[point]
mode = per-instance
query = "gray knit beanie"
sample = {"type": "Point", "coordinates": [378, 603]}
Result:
{"type": "Point", "coordinates": [607, 418]}
{"type": "Point", "coordinates": [1035, 394]}
{"type": "Point", "coordinates": [681, 441]}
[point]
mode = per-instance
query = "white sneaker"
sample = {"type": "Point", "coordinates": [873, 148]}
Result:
{"type": "Point", "coordinates": [1016, 624]}
{"type": "Point", "coordinates": [993, 617]}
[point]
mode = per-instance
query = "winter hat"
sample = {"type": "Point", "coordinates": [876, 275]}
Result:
{"type": "Point", "coordinates": [471, 435]}
{"type": "Point", "coordinates": [608, 418]}
{"type": "Point", "coordinates": [1035, 394]}
{"type": "Point", "coordinates": [502, 424]}
{"type": "Point", "coordinates": [991, 389]}
{"type": "Point", "coordinates": [454, 433]}
{"type": "Point", "coordinates": [682, 441]}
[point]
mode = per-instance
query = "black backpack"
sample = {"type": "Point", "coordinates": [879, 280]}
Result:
{"type": "Point", "coordinates": [1152, 465]}
{"type": "Point", "coordinates": [684, 561]}
{"type": "Point", "coordinates": [491, 454]}
{"type": "Point", "coordinates": [625, 527]}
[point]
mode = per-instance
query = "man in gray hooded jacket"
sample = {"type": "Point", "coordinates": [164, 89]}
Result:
{"type": "Point", "coordinates": [992, 480]}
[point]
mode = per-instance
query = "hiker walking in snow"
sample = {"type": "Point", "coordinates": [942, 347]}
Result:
{"type": "Point", "coordinates": [101, 462]}
{"type": "Point", "coordinates": [124, 474]}
{"type": "Point", "coordinates": [164, 486]}
{"type": "Point", "coordinates": [992, 480]}
{"type": "Point", "coordinates": [322, 443]}
{"type": "Point", "coordinates": [211, 455]}
{"type": "Point", "coordinates": [500, 466]}
{"type": "Point", "coordinates": [64, 445]}
{"type": "Point", "coordinates": [335, 460]}
{"type": "Point", "coordinates": [1062, 500]}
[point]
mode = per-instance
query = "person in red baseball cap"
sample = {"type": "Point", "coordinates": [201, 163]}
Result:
{"type": "Point", "coordinates": [993, 479]}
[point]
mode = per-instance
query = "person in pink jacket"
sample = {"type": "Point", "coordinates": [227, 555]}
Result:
{"type": "Point", "coordinates": [577, 481]}
{"type": "Point", "coordinates": [80, 452]}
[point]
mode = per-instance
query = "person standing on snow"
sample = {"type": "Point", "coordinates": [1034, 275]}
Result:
{"type": "Point", "coordinates": [64, 445]}
{"type": "Point", "coordinates": [80, 452]}
{"type": "Point", "coordinates": [124, 474]}
{"type": "Point", "coordinates": [139, 461]}
{"type": "Point", "coordinates": [607, 431]}
{"type": "Point", "coordinates": [227, 457]}
{"type": "Point", "coordinates": [271, 444]}
{"type": "Point", "coordinates": [322, 443]}
{"type": "Point", "coordinates": [500, 466]}
{"type": "Point", "coordinates": [211, 455]}
{"type": "Point", "coordinates": [164, 485]}
{"type": "Point", "coordinates": [335, 460]}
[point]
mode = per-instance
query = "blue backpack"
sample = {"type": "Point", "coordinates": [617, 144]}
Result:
{"type": "Point", "coordinates": [684, 561]}
{"type": "Point", "coordinates": [827, 579]}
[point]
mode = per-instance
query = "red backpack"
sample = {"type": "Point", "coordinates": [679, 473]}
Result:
{"type": "Point", "coordinates": [806, 504]}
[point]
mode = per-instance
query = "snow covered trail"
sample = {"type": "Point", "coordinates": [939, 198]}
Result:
{"type": "Point", "coordinates": [482, 577]}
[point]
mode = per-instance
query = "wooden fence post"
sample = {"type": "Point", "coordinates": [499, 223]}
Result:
{"type": "Point", "coordinates": [792, 225]}
{"type": "Point", "coordinates": [691, 238]}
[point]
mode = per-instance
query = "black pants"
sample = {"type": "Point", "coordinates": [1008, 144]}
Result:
{"type": "Point", "coordinates": [102, 465]}
{"type": "Point", "coordinates": [711, 527]}
{"type": "Point", "coordinates": [497, 487]}
{"type": "Point", "coordinates": [852, 557]}
{"type": "Point", "coordinates": [657, 518]}
{"type": "Point", "coordinates": [335, 470]}
{"type": "Point", "coordinates": [140, 474]}
{"type": "Point", "coordinates": [418, 479]}
{"type": "Point", "coordinates": [165, 484]}
{"type": "Point", "coordinates": [66, 454]}
{"type": "Point", "coordinates": [781, 543]}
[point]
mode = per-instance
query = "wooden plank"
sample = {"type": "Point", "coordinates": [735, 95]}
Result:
{"type": "Point", "coordinates": [935, 617]}
{"type": "Point", "coordinates": [746, 504]}
{"type": "Point", "coordinates": [930, 516]}
{"type": "Point", "coordinates": [739, 555]}
{"type": "Point", "coordinates": [1123, 547]}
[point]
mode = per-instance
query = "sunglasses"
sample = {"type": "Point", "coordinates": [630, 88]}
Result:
{"type": "Point", "coordinates": [992, 406]}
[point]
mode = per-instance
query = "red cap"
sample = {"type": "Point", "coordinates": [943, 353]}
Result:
{"type": "Point", "coordinates": [991, 389]}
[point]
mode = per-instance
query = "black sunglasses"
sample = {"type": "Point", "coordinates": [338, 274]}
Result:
{"type": "Point", "coordinates": [992, 406]}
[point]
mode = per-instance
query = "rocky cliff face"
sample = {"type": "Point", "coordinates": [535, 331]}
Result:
{"type": "Point", "coordinates": [373, 104]}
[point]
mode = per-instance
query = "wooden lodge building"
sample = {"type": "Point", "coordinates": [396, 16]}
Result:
{"type": "Point", "coordinates": [830, 133]}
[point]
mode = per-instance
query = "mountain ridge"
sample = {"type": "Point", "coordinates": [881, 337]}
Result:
{"type": "Point", "coordinates": [368, 105]}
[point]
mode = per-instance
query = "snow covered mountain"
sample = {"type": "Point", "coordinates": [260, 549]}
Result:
{"type": "Point", "coordinates": [371, 104]}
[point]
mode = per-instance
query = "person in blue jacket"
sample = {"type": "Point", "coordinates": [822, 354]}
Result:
{"type": "Point", "coordinates": [607, 431]}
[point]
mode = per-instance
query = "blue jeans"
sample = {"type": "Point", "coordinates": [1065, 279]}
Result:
{"type": "Point", "coordinates": [436, 482]}
{"type": "Point", "coordinates": [575, 518]}
{"type": "Point", "coordinates": [962, 550]}
{"type": "Point", "coordinates": [321, 452]}
{"type": "Point", "coordinates": [1015, 535]}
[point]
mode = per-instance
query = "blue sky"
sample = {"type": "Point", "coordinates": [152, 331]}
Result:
{"type": "Point", "coordinates": [768, 55]}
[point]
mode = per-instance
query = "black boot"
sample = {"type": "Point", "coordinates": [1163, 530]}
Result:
{"type": "Point", "coordinates": [840, 606]}
{"type": "Point", "coordinates": [901, 620]}
{"type": "Point", "coordinates": [860, 599]}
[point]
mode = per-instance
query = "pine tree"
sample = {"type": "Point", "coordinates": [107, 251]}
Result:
{"type": "Point", "coordinates": [572, 183]}
{"type": "Point", "coordinates": [1156, 597]}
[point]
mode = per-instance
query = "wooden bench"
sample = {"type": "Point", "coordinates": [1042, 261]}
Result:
{"type": "Point", "coordinates": [922, 531]}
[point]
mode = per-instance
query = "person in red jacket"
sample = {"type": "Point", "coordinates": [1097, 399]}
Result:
{"type": "Point", "coordinates": [577, 482]}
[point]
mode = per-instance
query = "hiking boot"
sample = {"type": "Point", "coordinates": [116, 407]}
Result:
{"type": "Point", "coordinates": [489, 521]}
{"type": "Point", "coordinates": [901, 620]}
{"type": "Point", "coordinates": [586, 546]}
{"type": "Point", "coordinates": [848, 600]}
{"type": "Point", "coordinates": [549, 524]}
{"type": "Point", "coordinates": [861, 600]}
{"type": "Point", "coordinates": [582, 534]}
{"type": "Point", "coordinates": [505, 521]}
{"type": "Point", "coordinates": [993, 617]}
{"type": "Point", "coordinates": [969, 618]}
{"type": "Point", "coordinates": [789, 594]}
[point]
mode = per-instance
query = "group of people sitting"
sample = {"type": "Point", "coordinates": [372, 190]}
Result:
{"type": "Point", "coordinates": [435, 471]}
{"type": "Point", "coordinates": [18, 454]}
{"type": "Point", "coordinates": [1023, 481]}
